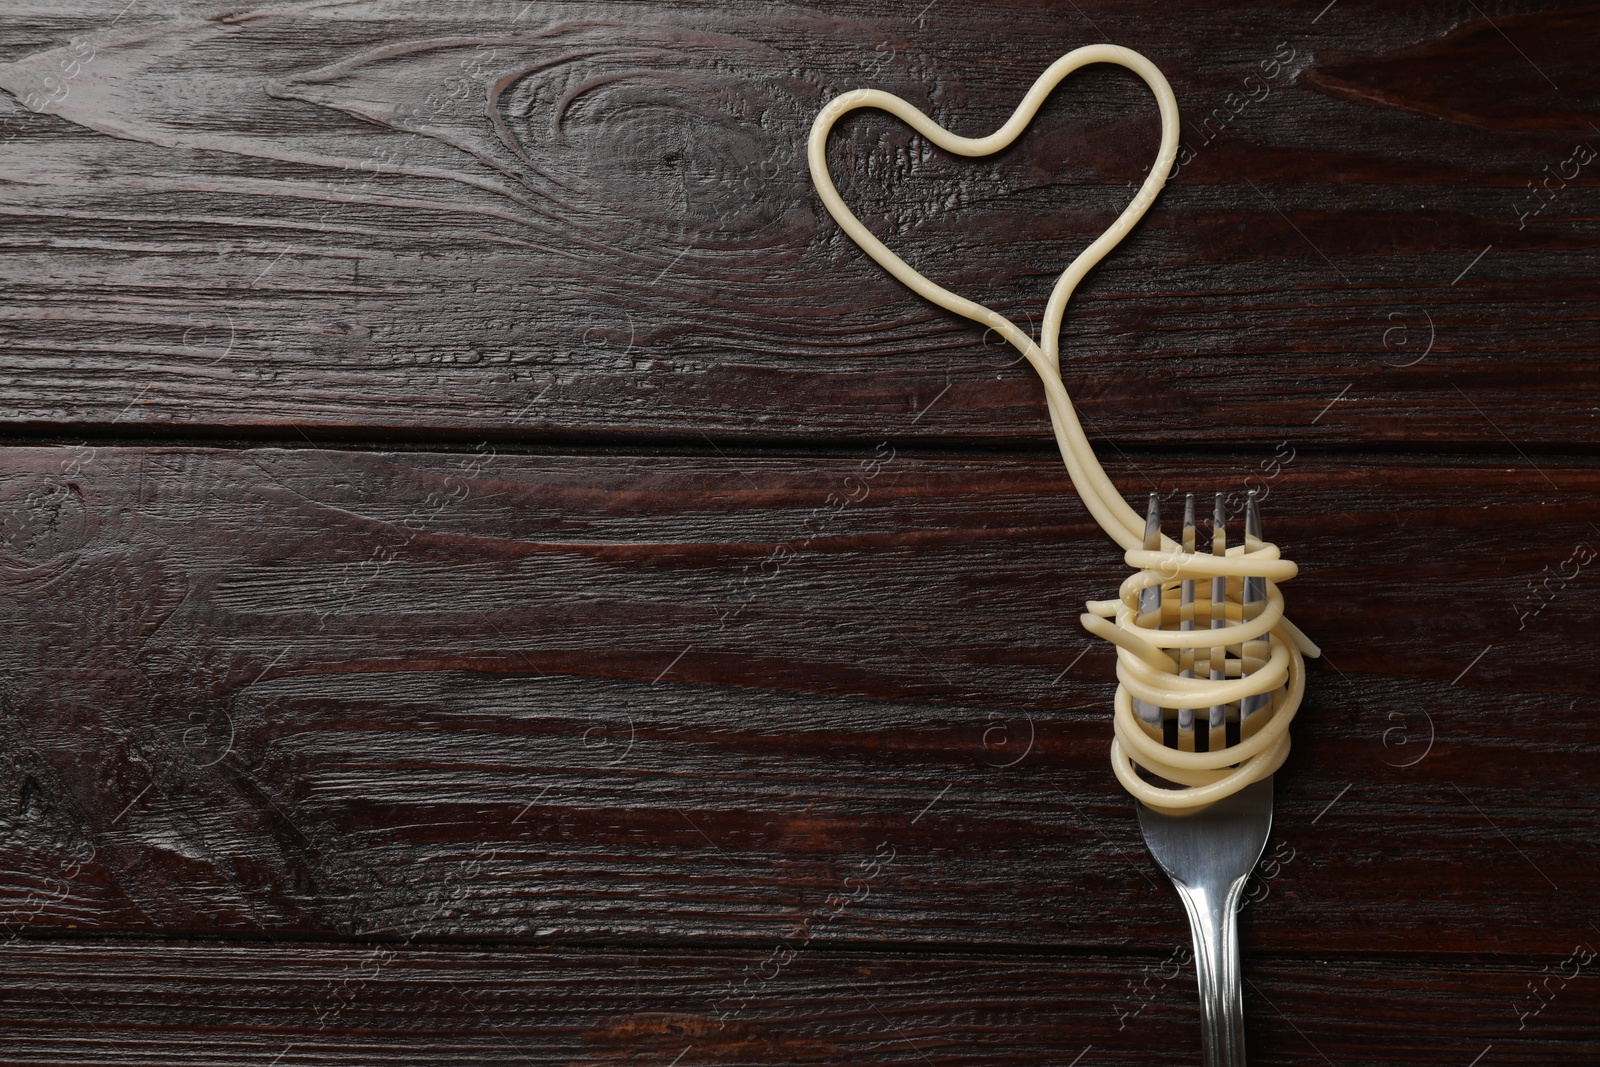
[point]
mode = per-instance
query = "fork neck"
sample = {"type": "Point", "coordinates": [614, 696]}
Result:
{"type": "Point", "coordinates": [1213, 917]}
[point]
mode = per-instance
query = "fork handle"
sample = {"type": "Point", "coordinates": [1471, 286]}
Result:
{"type": "Point", "coordinates": [1214, 923]}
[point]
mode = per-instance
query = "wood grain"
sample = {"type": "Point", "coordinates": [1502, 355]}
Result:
{"type": "Point", "coordinates": [583, 697]}
{"type": "Point", "coordinates": [147, 1004]}
{"type": "Point", "coordinates": [517, 219]}
{"type": "Point", "coordinates": [489, 574]}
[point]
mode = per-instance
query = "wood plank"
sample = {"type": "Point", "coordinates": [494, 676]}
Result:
{"type": "Point", "coordinates": [583, 696]}
{"type": "Point", "coordinates": [295, 1005]}
{"type": "Point", "coordinates": [517, 219]}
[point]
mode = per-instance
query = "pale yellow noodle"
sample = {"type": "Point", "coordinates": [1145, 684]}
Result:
{"type": "Point", "coordinates": [1144, 671]}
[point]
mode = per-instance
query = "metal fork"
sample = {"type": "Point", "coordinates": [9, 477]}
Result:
{"type": "Point", "coordinates": [1209, 855]}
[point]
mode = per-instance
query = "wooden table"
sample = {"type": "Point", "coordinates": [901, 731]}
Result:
{"type": "Point", "coordinates": [493, 575]}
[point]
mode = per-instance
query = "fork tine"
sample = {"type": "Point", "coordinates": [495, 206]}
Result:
{"type": "Point", "coordinates": [1255, 599]}
{"type": "Point", "coordinates": [1186, 733]}
{"type": "Point", "coordinates": [1150, 601]}
{"type": "Point", "coordinates": [1152, 524]}
{"type": "Point", "coordinates": [1219, 602]}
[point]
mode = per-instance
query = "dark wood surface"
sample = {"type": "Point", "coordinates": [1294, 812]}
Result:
{"type": "Point", "coordinates": [491, 575]}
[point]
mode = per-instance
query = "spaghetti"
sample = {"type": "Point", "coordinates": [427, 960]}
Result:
{"type": "Point", "coordinates": [1147, 668]}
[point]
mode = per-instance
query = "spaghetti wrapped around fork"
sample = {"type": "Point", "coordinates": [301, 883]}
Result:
{"type": "Point", "coordinates": [1153, 652]}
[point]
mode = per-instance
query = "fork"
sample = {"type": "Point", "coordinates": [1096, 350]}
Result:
{"type": "Point", "coordinates": [1209, 855]}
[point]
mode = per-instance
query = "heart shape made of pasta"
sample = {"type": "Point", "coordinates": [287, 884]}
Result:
{"type": "Point", "coordinates": [1099, 495]}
